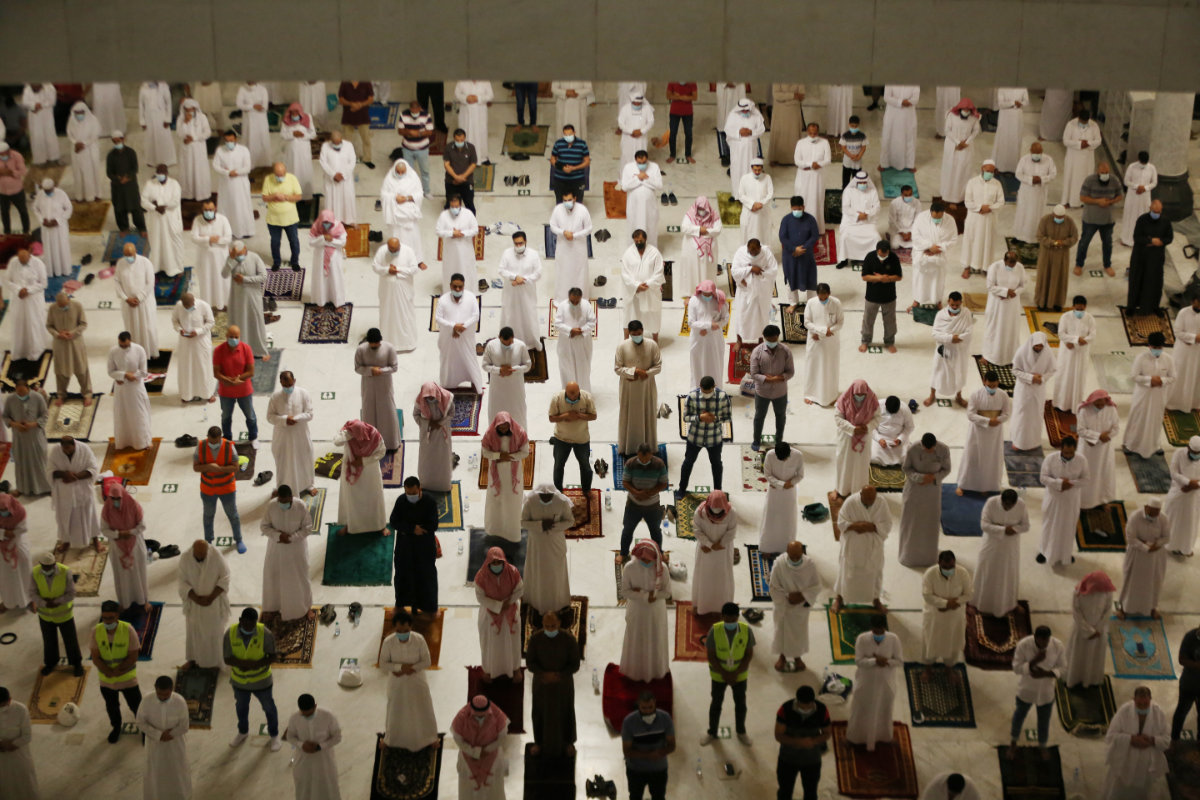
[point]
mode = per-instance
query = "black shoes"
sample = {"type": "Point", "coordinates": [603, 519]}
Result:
{"type": "Point", "coordinates": [666, 201]}
{"type": "Point", "coordinates": [674, 200]}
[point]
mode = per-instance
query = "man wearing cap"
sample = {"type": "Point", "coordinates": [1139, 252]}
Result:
{"type": "Point", "coordinates": [248, 650]}
{"type": "Point", "coordinates": [1056, 233]}
{"type": "Point", "coordinates": [115, 646]}
{"type": "Point", "coordinates": [314, 733]}
{"type": "Point", "coordinates": [1182, 506]}
{"type": "Point", "coordinates": [983, 198]}
{"type": "Point", "coordinates": [53, 208]}
{"type": "Point", "coordinates": [743, 128]}
{"type": "Point", "coordinates": [755, 192]}
{"type": "Point", "coordinates": [52, 593]}
{"type": "Point", "coordinates": [633, 124]}
{"type": "Point", "coordinates": [1147, 534]}
{"type": "Point", "coordinates": [803, 729]}
{"type": "Point", "coordinates": [12, 187]}
{"type": "Point", "coordinates": [121, 165]}
{"type": "Point", "coordinates": [857, 235]}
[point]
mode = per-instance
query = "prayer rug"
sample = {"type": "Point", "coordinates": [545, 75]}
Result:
{"type": "Point", "coordinates": [1114, 371]}
{"type": "Point", "coordinates": [573, 620]}
{"type": "Point", "coordinates": [739, 361]}
{"type": "Point", "coordinates": [1011, 186]}
{"type": "Point", "coordinates": [844, 628]}
{"type": "Point", "coordinates": [485, 177]}
{"type": "Point", "coordinates": [620, 695]}
{"type": "Point", "coordinates": [10, 243]}
{"type": "Point", "coordinates": [992, 641]}
{"type": "Point", "coordinates": [1150, 475]}
{"type": "Point", "coordinates": [691, 632]}
{"type": "Point", "coordinates": [887, 479]}
{"type": "Point", "coordinates": [925, 314]}
{"type": "Point", "coordinates": [1183, 763]}
{"type": "Point", "coordinates": [943, 700]}
{"type": "Point", "coordinates": [552, 331]}
{"type": "Point", "coordinates": [257, 176]}
{"type": "Point", "coordinates": [284, 284]}
{"type": "Point", "coordinates": [618, 465]}
{"type": "Point", "coordinates": [433, 304]}
{"type": "Point", "coordinates": [428, 626]}
{"type": "Point", "coordinates": [1024, 467]}
{"type": "Point", "coordinates": [1058, 424]}
{"type": "Point", "coordinates": [55, 283]}
{"type": "Point", "coordinates": [551, 246]}
{"type": "Point", "coordinates": [1140, 650]}
{"type": "Point", "coordinates": [15, 369]}
{"type": "Point", "coordinates": [401, 774]}
{"type": "Point", "coordinates": [383, 116]}
{"type": "Point", "coordinates": [1027, 252]}
{"type": "Point", "coordinates": [134, 466]}
{"type": "Point", "coordinates": [220, 325]}
{"type": "Point", "coordinates": [478, 243]}
{"type": "Point", "coordinates": [530, 140]}
{"type": "Point", "coordinates": [1102, 529]}
{"type": "Point", "coordinates": [975, 302]}
{"type": "Point", "coordinates": [34, 176]}
{"type": "Point", "coordinates": [825, 251]}
{"type": "Point", "coordinates": [309, 210]}
{"type": "Point", "coordinates": [685, 511]}
{"type": "Point", "coordinates": [587, 514]}
{"type": "Point", "coordinates": [146, 626]}
{"type": "Point", "coordinates": [960, 515]}
{"type": "Point", "coordinates": [392, 467]}
{"type": "Point", "coordinates": [1138, 327]}
{"type": "Point", "coordinates": [792, 324]}
{"type": "Point", "coordinates": [731, 210]}
{"type": "Point", "coordinates": [835, 508]}
{"type": "Point", "coordinates": [1085, 710]}
{"type": "Point", "coordinates": [760, 573]}
{"type": "Point", "coordinates": [323, 325]}
{"type": "Point", "coordinates": [1031, 776]}
{"type": "Point", "coordinates": [5, 454]}
{"type": "Point", "coordinates": [904, 254]}
{"type": "Point", "coordinates": [889, 771]}
{"type": "Point", "coordinates": [833, 207]}
{"type": "Point", "coordinates": [316, 508]}
{"type": "Point", "coordinates": [450, 511]}
{"type": "Point", "coordinates": [956, 210]}
{"type": "Point", "coordinates": [88, 217]}
{"type": "Point", "coordinates": [480, 541]}
{"type": "Point", "coordinates": [548, 777]}
{"type": "Point", "coordinates": [527, 465]}
{"type": "Point", "coordinates": [507, 694]}
{"type": "Point", "coordinates": [668, 286]}
{"type": "Point", "coordinates": [731, 288]}
{"type": "Point", "coordinates": [539, 370]}
{"type": "Point", "coordinates": [198, 686]}
{"type": "Point", "coordinates": [685, 327]}
{"type": "Point", "coordinates": [358, 242]}
{"type": "Point", "coordinates": [893, 179]}
{"type": "Point", "coordinates": [158, 367]}
{"type": "Point", "coordinates": [437, 143]}
{"type": "Point", "coordinates": [87, 567]}
{"type": "Point", "coordinates": [246, 473]}
{"type": "Point", "coordinates": [614, 201]}
{"type": "Point", "coordinates": [72, 418]}
{"type": "Point", "coordinates": [684, 425]}
{"type": "Point", "coordinates": [464, 419]}
{"type": "Point", "coordinates": [52, 692]}
{"type": "Point", "coordinates": [835, 149]}
{"type": "Point", "coordinates": [266, 373]}
{"type": "Point", "coordinates": [1180, 426]}
{"type": "Point", "coordinates": [328, 466]}
{"type": "Point", "coordinates": [1045, 322]}
{"type": "Point", "coordinates": [359, 559]}
{"type": "Point", "coordinates": [295, 640]}
{"type": "Point", "coordinates": [989, 118]}
{"type": "Point", "coordinates": [168, 290]}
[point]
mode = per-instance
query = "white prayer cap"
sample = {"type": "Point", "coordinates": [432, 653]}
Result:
{"type": "Point", "coordinates": [48, 183]}
{"type": "Point", "coordinates": [989, 162]}
{"type": "Point", "coordinates": [1060, 209]}
{"type": "Point", "coordinates": [46, 559]}
{"type": "Point", "coordinates": [117, 135]}
{"type": "Point", "coordinates": [1194, 444]}
{"type": "Point", "coordinates": [861, 175]}
{"type": "Point", "coordinates": [1153, 502]}
{"type": "Point", "coordinates": [756, 162]}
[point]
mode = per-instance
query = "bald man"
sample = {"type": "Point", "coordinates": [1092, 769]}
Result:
{"type": "Point", "coordinates": [204, 588]}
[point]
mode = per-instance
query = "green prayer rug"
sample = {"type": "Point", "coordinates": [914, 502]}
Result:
{"type": "Point", "coordinates": [844, 628]}
{"type": "Point", "coordinates": [1085, 710]}
{"type": "Point", "coordinates": [357, 559]}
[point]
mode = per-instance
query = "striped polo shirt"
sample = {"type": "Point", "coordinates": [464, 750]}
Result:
{"type": "Point", "coordinates": [572, 155]}
{"type": "Point", "coordinates": [416, 123]}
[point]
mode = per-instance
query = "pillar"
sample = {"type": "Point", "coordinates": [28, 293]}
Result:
{"type": "Point", "coordinates": [1169, 138]}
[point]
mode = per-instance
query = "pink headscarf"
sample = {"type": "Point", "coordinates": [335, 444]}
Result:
{"type": "Point", "coordinates": [1094, 582]}
{"type": "Point", "coordinates": [1099, 394]}
{"type": "Point", "coordinates": [125, 518]}
{"type": "Point", "coordinates": [337, 231]}
{"type": "Point", "coordinates": [717, 501]}
{"type": "Point", "coordinates": [499, 587]}
{"type": "Point", "coordinates": [711, 288]}
{"type": "Point", "coordinates": [647, 546]}
{"type": "Point", "coordinates": [701, 214]}
{"type": "Point", "coordinates": [8, 547]}
{"type": "Point", "coordinates": [296, 108]}
{"type": "Point", "coordinates": [364, 438]}
{"type": "Point", "coordinates": [517, 439]}
{"type": "Point", "coordinates": [965, 103]}
{"type": "Point", "coordinates": [858, 415]}
{"type": "Point", "coordinates": [445, 402]}
{"type": "Point", "coordinates": [477, 735]}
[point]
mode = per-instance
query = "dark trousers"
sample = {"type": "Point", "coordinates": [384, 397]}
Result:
{"type": "Point", "coordinates": [112, 702]}
{"type": "Point", "coordinates": [779, 404]}
{"type": "Point", "coordinates": [246, 404]}
{"type": "Point", "coordinates": [691, 453]}
{"type": "Point", "coordinates": [562, 451]}
{"type": "Point", "coordinates": [50, 632]}
{"type": "Point", "coordinates": [1043, 720]}
{"type": "Point", "coordinates": [293, 244]}
{"type": "Point", "coordinates": [1085, 238]}
{"type": "Point", "coordinates": [464, 190]}
{"type": "Point", "coordinates": [416, 572]}
{"type": "Point", "coordinates": [722, 148]}
{"type": "Point", "coordinates": [526, 94]}
{"type": "Point", "coordinates": [127, 200]}
{"type": "Point", "coordinates": [634, 513]}
{"type": "Point", "coordinates": [432, 97]}
{"type": "Point", "coordinates": [718, 699]}
{"type": "Point", "coordinates": [848, 175]}
{"type": "Point", "coordinates": [810, 777]}
{"type": "Point", "coordinates": [8, 201]}
{"type": "Point", "coordinates": [241, 702]}
{"type": "Point", "coordinates": [870, 310]}
{"type": "Point", "coordinates": [1144, 295]}
{"type": "Point", "coordinates": [560, 185]}
{"type": "Point", "coordinates": [1187, 698]}
{"type": "Point", "coordinates": [639, 782]}
{"type": "Point", "coordinates": [687, 133]}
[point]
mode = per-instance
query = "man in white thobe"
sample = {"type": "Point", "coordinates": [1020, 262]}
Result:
{"type": "Point", "coordinates": [396, 265]}
{"type": "Point", "coordinates": [1063, 474]}
{"type": "Point", "coordinates": [857, 234]}
{"type": "Point", "coordinates": [314, 733]}
{"type": "Point", "coordinates": [575, 321]}
{"type": "Point", "coordinates": [1033, 365]}
{"type": "Point", "coordinates": [83, 132]}
{"type": "Point", "coordinates": [38, 100]}
{"type": "Point", "coordinates": [1097, 425]}
{"type": "Point", "coordinates": [794, 587]}
{"type": "Point", "coordinates": [193, 131]}
{"type": "Point", "coordinates": [131, 405]}
{"type": "Point", "coordinates": [982, 465]}
{"type": "Point", "coordinates": [889, 443]}
{"type": "Point", "coordinates": [960, 126]}
{"type": "Point", "coordinates": [753, 268]}
{"type": "Point", "coordinates": [232, 163]}
{"type": "Point", "coordinates": [571, 224]}
{"type": "Point", "coordinates": [879, 658]}
{"type": "Point", "coordinates": [161, 199]}
{"type": "Point", "coordinates": [1153, 373]}
{"type": "Point", "coordinates": [1081, 137]}
{"type": "Point", "coordinates": [947, 588]}
{"type": "Point", "coordinates": [1147, 534]}
{"type": "Point", "coordinates": [401, 196]}
{"type": "Point", "coordinates": [25, 282]}
{"type": "Point", "coordinates": [743, 128]}
{"type": "Point", "coordinates": [823, 318]}
{"type": "Point", "coordinates": [134, 285]}
{"type": "Point", "coordinates": [643, 275]}
{"type": "Point", "coordinates": [474, 98]}
{"type": "Point", "coordinates": [456, 227]}
{"type": "Point", "coordinates": [1006, 147]}
{"type": "Point", "coordinates": [456, 317]}
{"type": "Point", "coordinates": [571, 101]}
{"type": "Point", "coordinates": [1182, 506]}
{"type": "Point", "coordinates": [290, 410]}
{"type": "Point", "coordinates": [902, 213]}
{"type": "Point", "coordinates": [634, 121]}
{"type": "Point", "coordinates": [1185, 392]}
{"type": "Point", "coordinates": [1034, 171]}
{"type": "Point", "coordinates": [252, 100]}
{"type": "Point", "coordinates": [1076, 330]}
{"type": "Point", "coordinates": [521, 269]}
{"type": "Point", "coordinates": [641, 180]}
{"type": "Point", "coordinates": [73, 469]}
{"type": "Point", "coordinates": [998, 576]}
{"type": "Point", "coordinates": [546, 514]}
{"type": "Point", "coordinates": [1137, 737]}
{"type": "Point", "coordinates": [1004, 318]}
{"type": "Point", "coordinates": [155, 115]}
{"type": "Point", "coordinates": [864, 522]}
{"type": "Point", "coordinates": [16, 763]}
{"type": "Point", "coordinates": [812, 156]}
{"type": "Point", "coordinates": [203, 582]}
{"type": "Point", "coordinates": [1141, 178]}
{"type": "Point", "coordinates": [1039, 661]}
{"type": "Point", "coordinates": [898, 144]}
{"type": "Point", "coordinates": [337, 161]}
{"type": "Point", "coordinates": [164, 722]}
{"type": "Point", "coordinates": [984, 198]}
{"type": "Point", "coordinates": [193, 320]}
{"type": "Point", "coordinates": [212, 234]}
{"type": "Point", "coordinates": [286, 588]}
{"type": "Point", "coordinates": [53, 208]}
{"type": "Point", "coordinates": [952, 331]}
{"type": "Point", "coordinates": [755, 192]}
{"type": "Point", "coordinates": [932, 235]}
{"type": "Point", "coordinates": [506, 360]}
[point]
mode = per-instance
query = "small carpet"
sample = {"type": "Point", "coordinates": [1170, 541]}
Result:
{"type": "Point", "coordinates": [433, 304]}
{"type": "Point", "coordinates": [975, 301]}
{"type": "Point", "coordinates": [760, 573]}
{"type": "Point", "coordinates": [1151, 475]}
{"type": "Point", "coordinates": [844, 628]}
{"type": "Point", "coordinates": [620, 695]}
{"type": "Point", "coordinates": [531, 141]}
{"type": "Point", "coordinates": [925, 314]}
{"type": "Point", "coordinates": [685, 328]}
{"type": "Point", "coordinates": [324, 325]}
{"type": "Point", "coordinates": [10, 243]}
{"type": "Point", "coordinates": [220, 325]}
{"type": "Point", "coordinates": [939, 701]}
{"type": "Point", "coordinates": [792, 324]}
{"type": "Point", "coordinates": [956, 210]}
{"type": "Point", "coordinates": [833, 206]}
{"type": "Point", "coordinates": [450, 512]}
{"type": "Point", "coordinates": [198, 686]}
{"type": "Point", "coordinates": [401, 774]}
{"type": "Point", "coordinates": [284, 284]}
{"type": "Point", "coordinates": [539, 369]}
{"type": "Point", "coordinates": [168, 290]}
{"type": "Point", "coordinates": [1008, 381]}
{"type": "Point", "coordinates": [1029, 775]}
{"type": "Point", "coordinates": [753, 479]}
{"type": "Point", "coordinates": [329, 466]}
{"type": "Point", "coordinates": [1140, 649]}
{"type": "Point", "coordinates": [731, 287]}
{"type": "Point", "coordinates": [618, 465]}
{"type": "Point", "coordinates": [1058, 424]}
{"type": "Point", "coordinates": [835, 149]}
{"type": "Point", "coordinates": [1024, 467]}
{"type": "Point", "coordinates": [614, 201]}
{"type": "Point", "coordinates": [116, 244]}
{"type": "Point", "coordinates": [266, 373]}
{"type": "Point", "coordinates": [87, 566]}
{"type": "Point", "coordinates": [383, 116]}
{"type": "Point", "coordinates": [1085, 710]}
{"type": "Point", "coordinates": [5, 454]}
{"type": "Point", "coordinates": [134, 466]}
{"type": "Point", "coordinates": [257, 176]}
{"type": "Point", "coordinates": [72, 418]}
{"type": "Point", "coordinates": [1114, 371]}
{"type": "Point", "coordinates": [316, 508]}
{"type": "Point", "coordinates": [573, 619]}
{"type": "Point", "coordinates": [684, 425]}
{"type": "Point", "coordinates": [685, 510]}
{"type": "Point", "coordinates": [739, 361]}
{"type": "Point", "coordinates": [825, 251]}
{"type": "Point", "coordinates": [88, 217]}
{"type": "Point", "coordinates": [429, 627]}
{"type": "Point", "coordinates": [548, 777]}
{"type": "Point", "coordinates": [358, 241]}
{"type": "Point", "coordinates": [904, 254]}
{"type": "Point", "coordinates": [360, 559]}
{"type": "Point", "coordinates": [991, 641]}
{"type": "Point", "coordinates": [988, 119]}
{"type": "Point", "coordinates": [146, 626]}
{"type": "Point", "coordinates": [1044, 321]}
{"type": "Point", "coordinates": [887, 772]}
{"type": "Point", "coordinates": [485, 177]}
{"type": "Point", "coordinates": [1011, 186]}
{"type": "Point", "coordinates": [691, 632]}
{"type": "Point", "coordinates": [507, 694]}
{"type": "Point", "coordinates": [527, 465]}
{"type": "Point", "coordinates": [552, 330]}
{"type": "Point", "coordinates": [1102, 528]}
{"type": "Point", "coordinates": [246, 449]}
{"type": "Point", "coordinates": [295, 640]}
{"type": "Point", "coordinates": [158, 368]}
{"type": "Point", "coordinates": [587, 514]}
{"type": "Point", "coordinates": [1139, 327]}
{"type": "Point", "coordinates": [52, 692]}
{"type": "Point", "coordinates": [35, 174]}
{"type": "Point", "coordinates": [551, 244]}
{"type": "Point", "coordinates": [478, 244]}
{"type": "Point", "coordinates": [15, 369]}
{"type": "Point", "coordinates": [1180, 426]}
{"type": "Point", "coordinates": [480, 541]}
{"type": "Point", "coordinates": [1183, 777]}
{"type": "Point", "coordinates": [464, 420]}
{"type": "Point", "coordinates": [893, 179]}
{"type": "Point", "coordinates": [1027, 252]}
{"type": "Point", "coordinates": [437, 143]}
{"type": "Point", "coordinates": [960, 515]}
{"type": "Point", "coordinates": [887, 479]}
{"type": "Point", "coordinates": [392, 467]}
{"type": "Point", "coordinates": [731, 210]}
{"type": "Point", "coordinates": [55, 283]}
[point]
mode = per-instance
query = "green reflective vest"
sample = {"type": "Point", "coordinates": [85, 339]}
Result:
{"type": "Point", "coordinates": [730, 654]}
{"type": "Point", "coordinates": [55, 588]}
{"type": "Point", "coordinates": [254, 651]}
{"type": "Point", "coordinates": [114, 652]}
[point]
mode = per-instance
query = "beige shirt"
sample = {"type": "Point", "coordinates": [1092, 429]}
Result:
{"type": "Point", "coordinates": [573, 432]}
{"type": "Point", "coordinates": [70, 355]}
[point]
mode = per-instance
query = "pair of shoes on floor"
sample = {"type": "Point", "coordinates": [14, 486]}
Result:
{"type": "Point", "coordinates": [497, 283]}
{"type": "Point", "coordinates": [606, 302]}
{"type": "Point", "coordinates": [186, 440]}
{"type": "Point", "coordinates": [598, 786]}
{"type": "Point", "coordinates": [516, 180]}
{"type": "Point", "coordinates": [270, 304]}
{"type": "Point", "coordinates": [600, 467]}
{"type": "Point", "coordinates": [669, 199]}
{"type": "Point", "coordinates": [664, 411]}
{"type": "Point", "coordinates": [263, 477]}
{"type": "Point", "coordinates": [602, 235]}
{"type": "Point", "coordinates": [483, 285]}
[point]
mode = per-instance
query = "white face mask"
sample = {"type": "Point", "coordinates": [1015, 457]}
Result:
{"type": "Point", "coordinates": [1103, 176]}
{"type": "Point", "coordinates": [649, 718]}
{"type": "Point", "coordinates": [520, 249]}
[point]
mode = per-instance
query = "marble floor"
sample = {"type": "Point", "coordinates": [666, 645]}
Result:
{"type": "Point", "coordinates": [68, 759]}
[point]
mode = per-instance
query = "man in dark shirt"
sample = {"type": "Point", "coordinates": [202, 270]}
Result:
{"type": "Point", "coordinates": [682, 95]}
{"type": "Point", "coordinates": [355, 98]}
{"type": "Point", "coordinates": [1151, 234]}
{"type": "Point", "coordinates": [881, 272]}
{"type": "Point", "coordinates": [569, 160]}
{"type": "Point", "coordinates": [1189, 682]}
{"type": "Point", "coordinates": [647, 738]}
{"type": "Point", "coordinates": [798, 234]}
{"type": "Point", "coordinates": [802, 728]}
{"type": "Point", "coordinates": [414, 520]}
{"type": "Point", "coordinates": [122, 168]}
{"type": "Point", "coordinates": [459, 161]}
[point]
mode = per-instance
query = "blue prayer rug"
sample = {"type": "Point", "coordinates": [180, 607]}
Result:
{"type": "Point", "coordinates": [552, 243]}
{"type": "Point", "coordinates": [618, 465]}
{"type": "Point", "coordinates": [54, 284]}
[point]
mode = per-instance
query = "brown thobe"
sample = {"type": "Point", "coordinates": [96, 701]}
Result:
{"type": "Point", "coordinates": [553, 702]}
{"type": "Point", "coordinates": [921, 515]}
{"type": "Point", "coordinates": [70, 355]}
{"type": "Point", "coordinates": [1055, 241]}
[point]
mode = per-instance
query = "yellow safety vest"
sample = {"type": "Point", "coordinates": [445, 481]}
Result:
{"type": "Point", "coordinates": [48, 591]}
{"type": "Point", "coordinates": [727, 654]}
{"type": "Point", "coordinates": [254, 651]}
{"type": "Point", "coordinates": [115, 652]}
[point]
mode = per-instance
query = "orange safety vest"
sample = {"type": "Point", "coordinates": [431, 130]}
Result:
{"type": "Point", "coordinates": [226, 456]}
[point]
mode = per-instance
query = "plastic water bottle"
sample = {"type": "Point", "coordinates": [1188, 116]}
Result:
{"type": "Point", "coordinates": [473, 461]}
{"type": "Point", "coordinates": [592, 624]}
{"type": "Point", "coordinates": [595, 680]}
{"type": "Point", "coordinates": [666, 529]}
{"type": "Point", "coordinates": [337, 629]}
{"type": "Point", "coordinates": [460, 545]}
{"type": "Point", "coordinates": [466, 503]}
{"type": "Point", "coordinates": [699, 770]}
{"type": "Point", "coordinates": [608, 499]}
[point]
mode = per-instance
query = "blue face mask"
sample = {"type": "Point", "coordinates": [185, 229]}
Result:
{"type": "Point", "coordinates": [118, 145]}
{"type": "Point", "coordinates": [230, 145]}
{"type": "Point", "coordinates": [1058, 220]}
{"type": "Point", "coordinates": [1078, 314]}
{"type": "Point", "coordinates": [551, 634]}
{"type": "Point", "coordinates": [990, 389]}
{"type": "Point", "coordinates": [569, 400]}
{"type": "Point", "coordinates": [110, 626]}
{"type": "Point", "coordinates": [1153, 215]}
{"type": "Point", "coordinates": [49, 192]}
{"type": "Point", "coordinates": [240, 257]}
{"type": "Point", "coordinates": [496, 568]}
{"type": "Point", "coordinates": [116, 501]}
{"type": "Point", "coordinates": [286, 506]}
{"type": "Point", "coordinates": [232, 341]}
{"type": "Point", "coordinates": [5, 513]}
{"type": "Point", "coordinates": [327, 225]}
{"type": "Point", "coordinates": [731, 626]}
{"type": "Point", "coordinates": [403, 636]}
{"type": "Point", "coordinates": [1156, 351]}
{"type": "Point", "coordinates": [797, 214]}
{"type": "Point", "coordinates": [946, 573]}
{"type": "Point", "coordinates": [456, 294]}
{"type": "Point", "coordinates": [210, 215]}
{"type": "Point", "coordinates": [131, 259]}
{"type": "Point", "coordinates": [289, 389]}
{"type": "Point", "coordinates": [455, 211]}
{"type": "Point", "coordinates": [1036, 157]}
{"type": "Point", "coordinates": [24, 398]}
{"type": "Point", "coordinates": [797, 562]}
{"type": "Point", "coordinates": [987, 176]}
{"type": "Point", "coordinates": [878, 637]}
{"type": "Point", "coordinates": [936, 220]}
{"type": "Point", "coordinates": [854, 130]}
{"type": "Point", "coordinates": [159, 178]}
{"type": "Point", "coordinates": [772, 345]}
{"type": "Point", "coordinates": [569, 204]}
{"type": "Point", "coordinates": [637, 338]}
{"type": "Point", "coordinates": [954, 312]}
{"type": "Point", "coordinates": [1142, 711]}
{"type": "Point", "coordinates": [569, 138]}
{"type": "Point", "coordinates": [858, 398]}
{"type": "Point", "coordinates": [908, 198]}
{"type": "Point", "coordinates": [412, 498]}
{"type": "Point", "coordinates": [862, 187]}
{"type": "Point", "coordinates": [459, 144]}
{"type": "Point", "coordinates": [1194, 456]}
{"type": "Point", "coordinates": [245, 632]}
{"type": "Point", "coordinates": [643, 166]}
{"type": "Point", "coordinates": [79, 116]}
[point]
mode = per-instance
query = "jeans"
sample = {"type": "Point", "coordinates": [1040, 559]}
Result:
{"type": "Point", "coordinates": [889, 321]}
{"type": "Point", "coordinates": [1085, 238]}
{"type": "Point", "coordinates": [364, 137]}
{"type": "Point", "coordinates": [229, 502]}
{"type": "Point", "coordinates": [1187, 698]}
{"type": "Point", "coordinates": [560, 185]}
{"type": "Point", "coordinates": [656, 782]}
{"type": "Point", "coordinates": [1043, 720]}
{"type": "Point", "coordinates": [718, 699]}
{"type": "Point", "coordinates": [563, 450]}
{"type": "Point", "coordinates": [50, 631]}
{"type": "Point", "coordinates": [419, 160]}
{"type": "Point", "coordinates": [293, 244]}
{"type": "Point", "coordinates": [18, 200]}
{"type": "Point", "coordinates": [241, 701]}
{"type": "Point", "coordinates": [653, 516]}
{"type": "Point", "coordinates": [112, 702]}
{"type": "Point", "coordinates": [466, 191]}
{"type": "Point", "coordinates": [526, 93]}
{"type": "Point", "coordinates": [690, 454]}
{"type": "Point", "coordinates": [687, 133]}
{"type": "Point", "coordinates": [810, 778]}
{"type": "Point", "coordinates": [760, 414]}
{"type": "Point", "coordinates": [246, 404]}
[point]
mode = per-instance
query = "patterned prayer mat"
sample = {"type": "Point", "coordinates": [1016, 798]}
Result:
{"type": "Point", "coordinates": [620, 694]}
{"type": "Point", "coordinates": [1151, 475]}
{"type": "Point", "coordinates": [760, 573]}
{"type": "Point", "coordinates": [943, 700]}
{"type": "Point", "coordinates": [246, 449]}
{"type": "Point", "coordinates": [428, 626]}
{"type": "Point", "coordinates": [551, 247]}
{"type": "Point", "coordinates": [295, 640]}
{"type": "Point", "coordinates": [1044, 321]}
{"type": "Point", "coordinates": [893, 179]}
{"type": "Point", "coordinates": [835, 148]}
{"type": "Point", "coordinates": [975, 301]}
{"type": "Point", "coordinates": [681, 402]}
{"type": "Point", "coordinates": [530, 140]}
{"type": "Point", "coordinates": [1085, 710]}
{"type": "Point", "coordinates": [731, 210]}
{"type": "Point", "coordinates": [573, 620]}
{"type": "Point", "coordinates": [685, 511]}
{"type": "Point", "coordinates": [833, 206]}
{"type": "Point", "coordinates": [358, 241]}
{"type": "Point", "coordinates": [1183, 778]}
{"type": "Point", "coordinates": [502, 690]}
{"type": "Point", "coordinates": [956, 210]}
{"type": "Point", "coordinates": [1027, 252]}
{"type": "Point", "coordinates": [792, 324]}
{"type": "Point", "coordinates": [1114, 372]}
{"type": "Point", "coordinates": [1031, 776]}
{"type": "Point", "coordinates": [57, 283]}
{"type": "Point", "coordinates": [753, 479]}
{"type": "Point", "coordinates": [168, 290]}
{"type": "Point", "coordinates": [198, 686]}
{"type": "Point", "coordinates": [539, 370]}
{"type": "Point", "coordinates": [72, 418]}
{"type": "Point", "coordinates": [739, 361]}
{"type": "Point", "coordinates": [116, 244]}
{"type": "Point", "coordinates": [1140, 649]}
{"type": "Point", "coordinates": [904, 254]}
{"type": "Point", "coordinates": [87, 566]}
{"type": "Point", "coordinates": [266, 373]}
{"type": "Point", "coordinates": [1024, 467]}
{"type": "Point", "coordinates": [1011, 186]}
{"type": "Point", "coordinates": [485, 177]}
{"type": "Point", "coordinates": [359, 559]}
{"type": "Point", "coordinates": [450, 512]}
{"type": "Point", "coordinates": [587, 514]}
{"type": "Point", "coordinates": [316, 508]}
{"type": "Point", "coordinates": [691, 632]}
{"type": "Point", "coordinates": [392, 468]}
{"type": "Point", "coordinates": [991, 641]}
{"type": "Point", "coordinates": [844, 628]}
{"type": "Point", "coordinates": [1180, 426]}
{"type": "Point", "coordinates": [889, 771]}
{"type": "Point", "coordinates": [1102, 528]}
{"type": "Point", "coordinates": [284, 284]}
{"type": "Point", "coordinates": [52, 692]}
{"type": "Point", "coordinates": [220, 325]}
{"type": "Point", "coordinates": [685, 328]}
{"type": "Point", "coordinates": [1058, 424]}
{"type": "Point", "coordinates": [552, 330]}
{"type": "Point", "coordinates": [5, 454]}
{"type": "Point", "coordinates": [478, 244]}
{"type": "Point", "coordinates": [437, 143]}
{"type": "Point", "coordinates": [433, 304]}
{"type": "Point", "coordinates": [35, 174]}
{"type": "Point", "coordinates": [614, 201]}
{"type": "Point", "coordinates": [328, 466]}
{"type": "Point", "coordinates": [480, 541]}
{"type": "Point", "coordinates": [401, 774]}
{"type": "Point", "coordinates": [464, 420]}
{"type": "Point", "coordinates": [158, 367]}
{"type": "Point", "coordinates": [1008, 381]}
{"type": "Point", "coordinates": [825, 250]}
{"type": "Point", "coordinates": [15, 369]}
{"type": "Point", "coordinates": [88, 217]}
{"type": "Point", "coordinates": [146, 626]}
{"type": "Point", "coordinates": [323, 325]}
{"type": "Point", "coordinates": [960, 515]}
{"type": "Point", "coordinates": [731, 288]}
{"type": "Point", "coordinates": [887, 479]}
{"type": "Point", "coordinates": [134, 466]}
{"type": "Point", "coordinates": [618, 465]}
{"type": "Point", "coordinates": [1139, 327]}
{"type": "Point", "coordinates": [527, 465]}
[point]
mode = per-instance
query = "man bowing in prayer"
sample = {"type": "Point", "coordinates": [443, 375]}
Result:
{"type": "Point", "coordinates": [865, 522]}
{"type": "Point", "coordinates": [498, 589]}
{"type": "Point", "coordinates": [314, 733]}
{"type": "Point", "coordinates": [193, 320]}
{"type": "Point", "coordinates": [457, 316]}
{"type": "Point", "coordinates": [131, 403]}
{"type": "Point", "coordinates": [204, 590]}
{"type": "Point", "coordinates": [878, 656]}
{"type": "Point", "coordinates": [984, 197]}
{"type": "Point", "coordinates": [1147, 534]}
{"type": "Point", "coordinates": [1136, 739]}
{"type": "Point", "coordinates": [926, 465]}
{"type": "Point", "coordinates": [286, 589]}
{"type": "Point", "coordinates": [553, 658]}
{"type": "Point", "coordinates": [164, 724]}
{"type": "Point", "coordinates": [506, 360]}
{"type": "Point", "coordinates": [951, 786]}
{"type": "Point", "coordinates": [73, 469]}
{"type": "Point", "coordinates": [947, 588]}
{"type": "Point", "coordinates": [521, 270]}
{"type": "Point", "coordinates": [794, 587]}
{"type": "Point", "coordinates": [479, 729]}
{"type": "Point", "coordinates": [162, 199]}
{"type": "Point", "coordinates": [376, 362]}
{"type": "Point", "coordinates": [637, 362]}
{"type": "Point", "coordinates": [1063, 474]}
{"type": "Point", "coordinates": [546, 514]}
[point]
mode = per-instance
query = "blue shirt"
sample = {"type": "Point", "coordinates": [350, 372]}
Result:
{"type": "Point", "coordinates": [565, 155]}
{"type": "Point", "coordinates": [652, 736]}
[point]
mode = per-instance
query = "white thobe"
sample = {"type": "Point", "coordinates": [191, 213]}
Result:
{"type": "Point", "coordinates": [195, 176]}
{"type": "Point", "coordinates": [575, 352]}
{"type": "Point", "coordinates": [403, 219]}
{"type": "Point", "coordinates": [892, 428]}
{"type": "Point", "coordinates": [902, 213]}
{"type": "Point", "coordinates": [339, 195]}
{"type": "Point", "coordinates": [1073, 357]}
{"type": "Point", "coordinates": [929, 270]}
{"type": "Point", "coordinates": [164, 232]}
{"type": "Point", "coordinates": [315, 775]}
{"type": "Point", "coordinates": [136, 280]}
{"type": "Point", "coordinates": [998, 576]}
{"type": "Point", "coordinates": [981, 230]}
{"type": "Point", "coordinates": [645, 267]}
{"type": "Point", "coordinates": [130, 581]}
{"type": "Point", "coordinates": [641, 199]}
{"type": "Point", "coordinates": [757, 224]}
{"type": "Point", "coordinates": [507, 392]}
{"type": "Point", "coordinates": [936, 788]}
{"type": "Point", "coordinates": [572, 110]}
{"type": "Point", "coordinates": [254, 122]}
{"type": "Point", "coordinates": [791, 619]}
{"type": "Point", "coordinates": [982, 465]}
{"type": "Point", "coordinates": [1182, 508]}
{"type": "Point", "coordinates": [168, 775]}
{"type": "Point", "coordinates": [1080, 161]}
{"type": "Point", "coordinates": [822, 353]}
{"type": "Point", "coordinates": [692, 267]}
{"type": "Point", "coordinates": [1144, 569]}
{"type": "Point", "coordinates": [75, 509]}
{"type": "Point", "coordinates": [131, 404]}
{"type": "Point", "coordinates": [15, 574]}
{"type": "Point", "coordinates": [1060, 505]}
{"type": "Point", "coordinates": [472, 117]}
{"type": "Point", "coordinates": [852, 468]}
{"type": "Point", "coordinates": [360, 504]}
{"type": "Point", "coordinates": [1056, 110]}
{"type": "Point", "coordinates": [411, 723]}
{"type": "Point", "coordinates": [291, 445]}
{"type": "Point", "coordinates": [397, 296]}
{"type": "Point", "coordinates": [810, 181]}
{"type": "Point", "coordinates": [874, 695]}
{"type": "Point", "coordinates": [753, 299]}
{"type": "Point", "coordinates": [1086, 652]}
{"type": "Point", "coordinates": [1136, 773]}
{"type": "Point", "coordinates": [328, 284]}
{"type": "Point", "coordinates": [898, 145]}
{"type": "Point", "coordinates": [950, 358]}
{"type": "Point", "coordinates": [28, 314]}
{"type": "Point", "coordinates": [1038, 691]}
{"type": "Point", "coordinates": [857, 237]}
{"type": "Point", "coordinates": [1144, 430]}
{"type": "Point", "coordinates": [1004, 317]}
{"type": "Point", "coordinates": [207, 283]}
{"type": "Point", "coordinates": [839, 105]}
{"type": "Point", "coordinates": [943, 629]}
{"type": "Point", "coordinates": [56, 240]}
{"type": "Point", "coordinates": [1185, 392]}
{"type": "Point", "coordinates": [503, 500]}
{"type": "Point", "coordinates": [631, 119]}
{"type": "Point", "coordinates": [728, 96]}
{"type": "Point", "coordinates": [546, 585]}
{"type": "Point", "coordinates": [742, 149]}
{"type": "Point", "coordinates": [570, 255]}
{"type": "Point", "coordinates": [286, 587]}
{"type": "Point", "coordinates": [458, 252]}
{"type": "Point", "coordinates": [860, 557]}
{"type": "Point", "coordinates": [1143, 176]}
{"type": "Point", "coordinates": [712, 573]}
{"type": "Point", "coordinates": [39, 110]}
{"type": "Point", "coordinates": [85, 164]}
{"type": "Point", "coordinates": [205, 624]}
{"type": "Point", "coordinates": [958, 165]}
{"type": "Point", "coordinates": [297, 154]}
{"type": "Point", "coordinates": [154, 115]}
{"type": "Point", "coordinates": [499, 639]}
{"type": "Point", "coordinates": [706, 340]}
{"type": "Point", "coordinates": [457, 353]}
{"type": "Point", "coordinates": [777, 526]}
{"type": "Point", "coordinates": [208, 95]}
{"type": "Point", "coordinates": [1006, 148]}
{"type": "Point", "coordinates": [946, 98]}
{"type": "Point", "coordinates": [20, 778]}
{"type": "Point", "coordinates": [519, 304]}
{"type": "Point", "coordinates": [234, 189]}
{"type": "Point", "coordinates": [1032, 197]}
{"type": "Point", "coordinates": [1029, 398]}
{"type": "Point", "coordinates": [314, 100]}
{"type": "Point", "coordinates": [1090, 424]}
{"type": "Point", "coordinates": [109, 106]}
{"type": "Point", "coordinates": [644, 653]}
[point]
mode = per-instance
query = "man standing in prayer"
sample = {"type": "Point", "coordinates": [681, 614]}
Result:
{"type": "Point", "coordinates": [1182, 506]}
{"type": "Point", "coordinates": [1033, 365]}
{"type": "Point", "coordinates": [506, 360]}
{"type": "Point", "coordinates": [947, 589]}
{"type": "Point", "coordinates": [232, 163]}
{"type": "Point", "coordinates": [249, 648]}
{"type": "Point", "coordinates": [286, 591]}
{"type": "Point", "coordinates": [1151, 235]}
{"type": "Point", "coordinates": [642, 273]}
{"type": "Point", "coordinates": [16, 565]}
{"type": "Point", "coordinates": [931, 237]}
{"type": "Point", "coordinates": [802, 728]}
{"type": "Point", "coordinates": [708, 316]}
{"type": "Point", "coordinates": [505, 446]}
{"type": "Point", "coordinates": [131, 404]}
{"type": "Point", "coordinates": [1034, 171]}
{"type": "Point", "coordinates": [1010, 103]}
{"type": "Point", "coordinates": [798, 235]}
{"type": "Point", "coordinates": [743, 128]}
{"type": "Point", "coordinates": [856, 415]}
{"type": "Point", "coordinates": [902, 213]}
{"type": "Point", "coordinates": [25, 281]}
{"type": "Point", "coordinates": [1081, 137]}
{"type": "Point", "coordinates": [644, 478]}
{"type": "Point", "coordinates": [553, 658]}
{"type": "Point", "coordinates": [1004, 317]}
{"type": "Point", "coordinates": [898, 149]}
{"type": "Point", "coordinates": [1064, 473]}
{"type": "Point", "coordinates": [289, 411]}
{"type": "Point", "coordinates": [66, 322]}
{"type": "Point", "coordinates": [233, 367]}
{"type": "Point", "coordinates": [193, 130]}
{"type": "Point", "coordinates": [1076, 330]}
{"type": "Point", "coordinates": [646, 587]}
{"type": "Point", "coordinates": [1135, 743]}
{"type": "Point", "coordinates": [575, 321]}
{"type": "Point", "coordinates": [641, 180]}
{"type": "Point", "coordinates": [730, 649]}
{"type": "Point", "coordinates": [571, 101]}
{"type": "Point", "coordinates": [1056, 110]}
{"type": "Point", "coordinates": [755, 192]}
{"type": "Point", "coordinates": [161, 200]}
{"type": "Point", "coordinates": [337, 161]}
{"type": "Point", "coordinates": [714, 524]}
{"type": "Point", "coordinates": [787, 121]}
{"type": "Point", "coordinates": [457, 228]}
{"type": "Point", "coordinates": [361, 507]}
{"type": "Point", "coordinates": [1099, 194]}
{"type": "Point", "coordinates": [700, 227]}
{"type": "Point", "coordinates": [164, 724]}
{"type": "Point", "coordinates": [998, 576]}
{"type": "Point", "coordinates": [753, 269]}
{"type": "Point", "coordinates": [355, 98]}
{"type": "Point", "coordinates": [1087, 649]}
{"type": "Point", "coordinates": [38, 100]}
{"type": "Point", "coordinates": [281, 192]}
{"type": "Point", "coordinates": [249, 275]}
{"type": "Point", "coordinates": [204, 591]}
{"type": "Point", "coordinates": [314, 733]}
{"type": "Point", "coordinates": [25, 414]}
{"type": "Point", "coordinates": [546, 514]}
{"type": "Point", "coordinates": [783, 469]}
{"type": "Point", "coordinates": [404, 657]}
{"type": "Point", "coordinates": [637, 362]}
{"type": "Point", "coordinates": [459, 163]}
{"type": "Point", "coordinates": [1189, 682]}
{"type": "Point", "coordinates": [1141, 178]}
{"type": "Point", "coordinates": [217, 462]}
{"type": "Point", "coordinates": [865, 522]}
{"type": "Point", "coordinates": [252, 100]}
{"type": "Point", "coordinates": [327, 237]}
{"type": "Point", "coordinates": [433, 412]}
{"type": "Point", "coordinates": [1147, 534]}
{"type": "Point", "coordinates": [647, 738]}
{"type": "Point", "coordinates": [571, 410]}
{"type": "Point", "coordinates": [857, 235]}
{"type": "Point", "coordinates": [479, 729]}
{"type": "Point", "coordinates": [12, 191]}
{"type": "Point", "coordinates": [52, 597]}
{"type": "Point", "coordinates": [474, 98]}
{"type": "Point", "coordinates": [926, 465]}
{"type": "Point", "coordinates": [852, 139]}
{"type": "Point", "coordinates": [193, 320]}
{"type": "Point", "coordinates": [982, 466]}
{"type": "Point", "coordinates": [1039, 661]}
{"type": "Point", "coordinates": [134, 284]}
{"type": "Point", "coordinates": [889, 445]}
{"type": "Point", "coordinates": [154, 115]}
{"type": "Point", "coordinates": [1097, 425]}
{"type": "Point", "coordinates": [881, 272]}
{"type": "Point", "coordinates": [569, 161]}
{"type": "Point", "coordinates": [114, 653]}
{"type": "Point", "coordinates": [124, 525]}
{"type": "Point", "coordinates": [212, 234]}
{"type": "Point", "coordinates": [521, 269]}
{"type": "Point", "coordinates": [457, 316]}
{"type": "Point", "coordinates": [376, 361]}
{"type": "Point", "coordinates": [16, 734]}
{"type": "Point", "coordinates": [983, 198]}
{"type": "Point", "coordinates": [571, 224]}
{"type": "Point", "coordinates": [771, 367]}
{"type": "Point", "coordinates": [401, 195]}
{"type": "Point", "coordinates": [878, 656]}
{"type": "Point", "coordinates": [794, 585]}
{"type": "Point", "coordinates": [706, 412]}
{"type": "Point", "coordinates": [952, 329]}
{"type": "Point", "coordinates": [414, 520]}
{"type": "Point", "coordinates": [498, 589]}
{"type": "Point", "coordinates": [1153, 373]}
{"type": "Point", "coordinates": [73, 470]}
{"type": "Point", "coordinates": [811, 157]}
{"type": "Point", "coordinates": [1185, 394]}
{"type": "Point", "coordinates": [396, 265]}
{"type": "Point", "coordinates": [53, 208]}
{"type": "Point", "coordinates": [961, 126]}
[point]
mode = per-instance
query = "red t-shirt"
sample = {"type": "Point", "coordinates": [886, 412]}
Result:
{"type": "Point", "coordinates": [681, 107]}
{"type": "Point", "coordinates": [233, 361]}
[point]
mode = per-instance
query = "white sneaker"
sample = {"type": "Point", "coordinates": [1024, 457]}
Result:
{"type": "Point", "coordinates": [745, 739]}
{"type": "Point", "coordinates": [276, 743]}
{"type": "Point", "coordinates": [707, 740]}
{"type": "Point", "coordinates": [237, 740]}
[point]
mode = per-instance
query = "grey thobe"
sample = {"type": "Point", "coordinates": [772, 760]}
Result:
{"type": "Point", "coordinates": [435, 455]}
{"type": "Point", "coordinates": [637, 422]}
{"type": "Point", "coordinates": [29, 447]}
{"type": "Point", "coordinates": [553, 702]}
{"type": "Point", "coordinates": [921, 516]}
{"type": "Point", "coordinates": [378, 404]}
{"type": "Point", "coordinates": [70, 355]}
{"type": "Point", "coordinates": [246, 300]}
